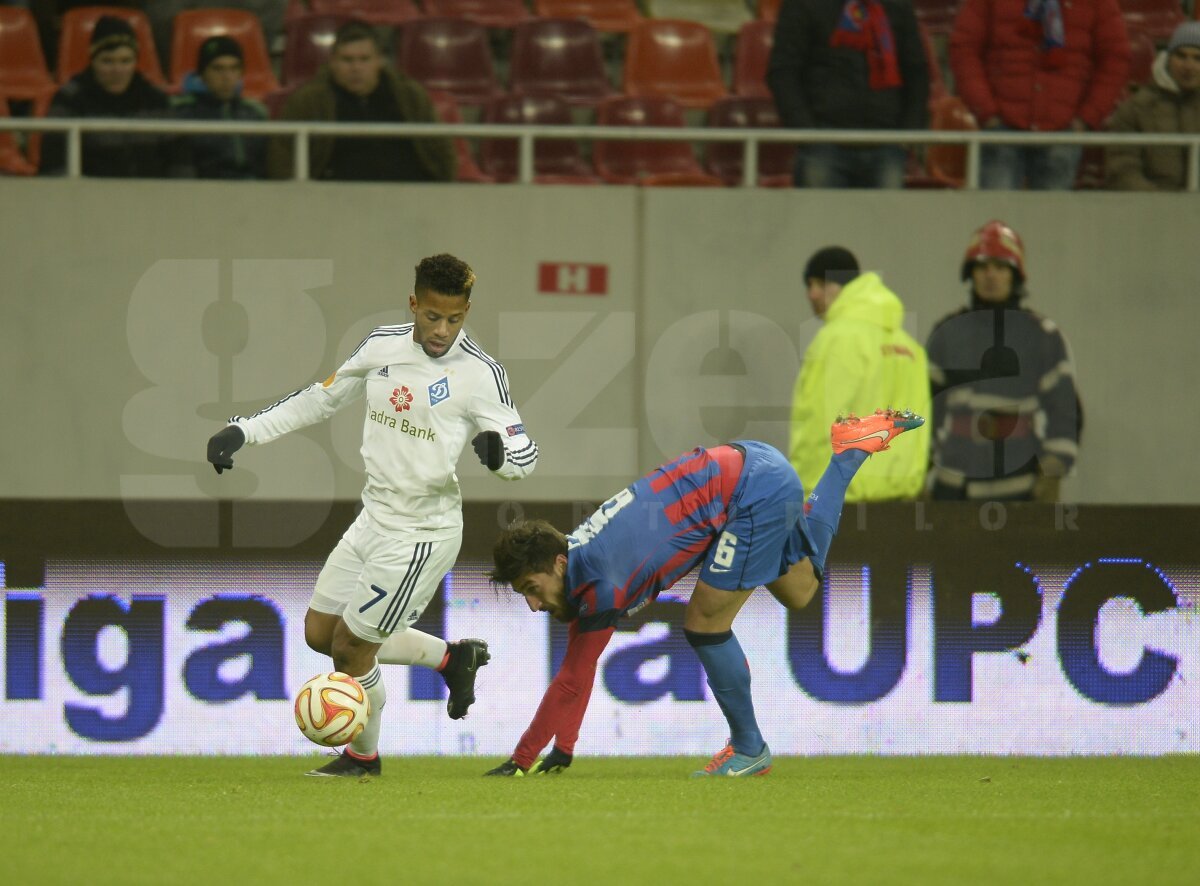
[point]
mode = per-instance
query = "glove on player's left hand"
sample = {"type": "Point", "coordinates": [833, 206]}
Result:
{"type": "Point", "coordinates": [508, 767]}
{"type": "Point", "coordinates": [554, 763]}
{"type": "Point", "coordinates": [490, 449]}
{"type": "Point", "coordinates": [223, 444]}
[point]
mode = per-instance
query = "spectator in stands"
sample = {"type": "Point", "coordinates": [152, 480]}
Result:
{"type": "Point", "coordinates": [1006, 415]}
{"type": "Point", "coordinates": [162, 14]}
{"type": "Point", "coordinates": [357, 87]}
{"type": "Point", "coordinates": [862, 358]}
{"type": "Point", "coordinates": [849, 64]}
{"type": "Point", "coordinates": [213, 92]}
{"type": "Point", "coordinates": [1170, 104]}
{"type": "Point", "coordinates": [110, 86]}
{"type": "Point", "coordinates": [1038, 66]}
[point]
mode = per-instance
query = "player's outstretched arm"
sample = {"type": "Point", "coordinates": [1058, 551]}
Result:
{"type": "Point", "coordinates": [509, 768]}
{"type": "Point", "coordinates": [222, 445]}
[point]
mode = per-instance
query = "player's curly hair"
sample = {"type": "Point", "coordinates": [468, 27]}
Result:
{"type": "Point", "coordinates": [526, 546]}
{"type": "Point", "coordinates": [444, 274]}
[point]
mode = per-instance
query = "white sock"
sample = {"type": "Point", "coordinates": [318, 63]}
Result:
{"type": "Point", "coordinates": [367, 743]}
{"type": "Point", "coordinates": [411, 647]}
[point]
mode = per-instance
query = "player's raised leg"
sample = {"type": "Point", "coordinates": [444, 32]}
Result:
{"type": "Point", "coordinates": [854, 440]}
{"type": "Point", "coordinates": [457, 662]}
{"type": "Point", "coordinates": [708, 627]}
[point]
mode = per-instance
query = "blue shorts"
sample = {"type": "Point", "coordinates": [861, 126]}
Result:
{"type": "Point", "coordinates": [766, 531]}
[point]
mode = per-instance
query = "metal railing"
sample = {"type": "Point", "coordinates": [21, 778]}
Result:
{"type": "Point", "coordinates": [526, 135]}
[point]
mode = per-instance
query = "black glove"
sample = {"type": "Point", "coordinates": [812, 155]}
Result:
{"type": "Point", "coordinates": [489, 449]}
{"type": "Point", "coordinates": [223, 444]}
{"type": "Point", "coordinates": [554, 763]}
{"type": "Point", "coordinates": [508, 767]}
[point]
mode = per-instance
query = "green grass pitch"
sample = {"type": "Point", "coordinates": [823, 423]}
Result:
{"type": "Point", "coordinates": [814, 820]}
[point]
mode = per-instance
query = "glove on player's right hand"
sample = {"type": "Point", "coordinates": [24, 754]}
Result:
{"type": "Point", "coordinates": [223, 444]}
{"type": "Point", "coordinates": [554, 763]}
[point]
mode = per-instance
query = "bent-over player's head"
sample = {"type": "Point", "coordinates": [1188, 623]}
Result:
{"type": "Point", "coordinates": [440, 301]}
{"type": "Point", "coordinates": [531, 555]}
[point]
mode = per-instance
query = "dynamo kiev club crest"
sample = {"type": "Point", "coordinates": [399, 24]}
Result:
{"type": "Point", "coordinates": [439, 390]}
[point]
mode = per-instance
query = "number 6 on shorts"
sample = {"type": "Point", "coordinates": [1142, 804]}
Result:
{"type": "Point", "coordinates": [726, 550]}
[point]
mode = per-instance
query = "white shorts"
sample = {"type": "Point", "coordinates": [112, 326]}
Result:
{"type": "Point", "coordinates": [381, 585]}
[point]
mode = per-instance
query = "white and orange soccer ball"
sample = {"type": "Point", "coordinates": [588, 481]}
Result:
{"type": "Point", "coordinates": [332, 709]}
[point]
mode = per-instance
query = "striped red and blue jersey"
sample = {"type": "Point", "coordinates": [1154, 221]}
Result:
{"type": "Point", "coordinates": [649, 535]}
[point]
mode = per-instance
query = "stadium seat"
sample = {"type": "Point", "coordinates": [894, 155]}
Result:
{"type": "Point", "coordinates": [560, 57]}
{"type": "Point", "coordinates": [724, 159]}
{"type": "Point", "coordinates": [936, 15]}
{"type": "Point", "coordinates": [555, 161]}
{"type": "Point", "coordinates": [500, 14]}
{"type": "Point", "coordinates": [12, 161]}
{"type": "Point", "coordinates": [1143, 51]}
{"type": "Point", "coordinates": [610, 16]}
{"type": "Point", "coordinates": [947, 163]}
{"type": "Point", "coordinates": [768, 10]}
{"type": "Point", "coordinates": [447, 111]}
{"type": "Point", "coordinates": [23, 73]}
{"type": "Point", "coordinates": [376, 12]}
{"type": "Point", "coordinates": [450, 55]}
{"type": "Point", "coordinates": [1154, 18]}
{"type": "Point", "coordinates": [274, 101]}
{"type": "Point", "coordinates": [192, 27]}
{"type": "Point", "coordinates": [646, 162]}
{"type": "Point", "coordinates": [719, 16]}
{"type": "Point", "coordinates": [676, 60]}
{"type": "Point", "coordinates": [751, 51]}
{"type": "Point", "coordinates": [308, 44]}
{"type": "Point", "coordinates": [75, 39]}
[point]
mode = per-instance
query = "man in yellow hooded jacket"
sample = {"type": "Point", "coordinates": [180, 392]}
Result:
{"type": "Point", "coordinates": [861, 359]}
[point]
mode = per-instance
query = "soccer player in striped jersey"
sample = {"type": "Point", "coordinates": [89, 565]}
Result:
{"type": "Point", "coordinates": [736, 511]}
{"type": "Point", "coordinates": [428, 387]}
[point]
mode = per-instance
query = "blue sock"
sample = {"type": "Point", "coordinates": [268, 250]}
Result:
{"type": "Point", "coordinates": [729, 678]}
{"type": "Point", "coordinates": [824, 506]}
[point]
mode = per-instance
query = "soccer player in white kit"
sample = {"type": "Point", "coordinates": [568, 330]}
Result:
{"type": "Point", "coordinates": [427, 386]}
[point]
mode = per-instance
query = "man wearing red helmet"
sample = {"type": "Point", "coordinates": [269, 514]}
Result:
{"type": "Point", "coordinates": [1006, 415]}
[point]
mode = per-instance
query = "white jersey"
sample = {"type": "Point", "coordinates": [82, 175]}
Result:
{"type": "Point", "coordinates": [419, 413]}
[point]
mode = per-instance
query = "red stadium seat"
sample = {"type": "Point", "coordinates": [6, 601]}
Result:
{"type": "Point", "coordinates": [610, 16]}
{"type": "Point", "coordinates": [673, 59]}
{"type": "Point", "coordinates": [646, 162]}
{"type": "Point", "coordinates": [1155, 18]}
{"type": "Point", "coordinates": [560, 57]}
{"type": "Point", "coordinates": [936, 15]}
{"type": "Point", "coordinates": [76, 36]}
{"type": "Point", "coordinates": [1143, 52]}
{"type": "Point", "coordinates": [375, 12]}
{"type": "Point", "coordinates": [750, 54]}
{"type": "Point", "coordinates": [768, 10]}
{"type": "Point", "coordinates": [447, 111]}
{"type": "Point", "coordinates": [193, 27]}
{"type": "Point", "coordinates": [274, 101]}
{"type": "Point", "coordinates": [308, 45]}
{"type": "Point", "coordinates": [23, 73]}
{"type": "Point", "coordinates": [724, 159]}
{"type": "Point", "coordinates": [555, 161]}
{"type": "Point", "coordinates": [719, 16]}
{"type": "Point", "coordinates": [12, 161]}
{"type": "Point", "coordinates": [947, 163]}
{"type": "Point", "coordinates": [488, 13]}
{"type": "Point", "coordinates": [450, 55]}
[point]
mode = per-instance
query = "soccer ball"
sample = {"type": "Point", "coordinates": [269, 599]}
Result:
{"type": "Point", "coordinates": [332, 709]}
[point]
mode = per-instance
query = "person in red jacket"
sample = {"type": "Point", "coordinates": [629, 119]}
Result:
{"type": "Point", "coordinates": [1039, 66]}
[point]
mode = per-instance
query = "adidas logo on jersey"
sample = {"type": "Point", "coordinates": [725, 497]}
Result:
{"type": "Point", "coordinates": [383, 373]}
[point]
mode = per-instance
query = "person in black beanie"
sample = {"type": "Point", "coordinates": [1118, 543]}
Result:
{"type": "Point", "coordinates": [213, 92]}
{"type": "Point", "coordinates": [110, 86]}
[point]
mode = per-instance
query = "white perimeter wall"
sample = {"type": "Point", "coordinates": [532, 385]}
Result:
{"type": "Point", "coordinates": [136, 316]}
